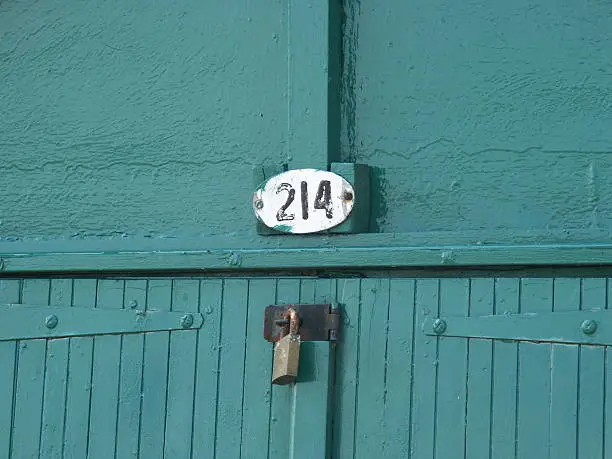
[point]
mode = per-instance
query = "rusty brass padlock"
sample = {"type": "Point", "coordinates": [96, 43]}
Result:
{"type": "Point", "coordinates": [287, 353]}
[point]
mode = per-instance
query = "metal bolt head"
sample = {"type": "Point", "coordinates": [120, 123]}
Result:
{"type": "Point", "coordinates": [259, 204]}
{"type": "Point", "coordinates": [348, 196]}
{"type": "Point", "coordinates": [133, 304]}
{"type": "Point", "coordinates": [439, 326]}
{"type": "Point", "coordinates": [187, 320]}
{"type": "Point", "coordinates": [588, 327]}
{"type": "Point", "coordinates": [51, 321]}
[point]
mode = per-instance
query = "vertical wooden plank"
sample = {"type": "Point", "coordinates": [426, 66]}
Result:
{"type": "Point", "coordinates": [231, 376]}
{"type": "Point", "coordinates": [371, 395]}
{"type": "Point", "coordinates": [130, 376]}
{"type": "Point", "coordinates": [479, 379]}
{"type": "Point", "coordinates": [425, 371]}
{"type": "Point", "coordinates": [452, 370]}
{"type": "Point", "coordinates": [313, 394]}
{"type": "Point", "coordinates": [207, 369]}
{"type": "Point", "coordinates": [56, 378]}
{"type": "Point", "coordinates": [30, 379]}
{"type": "Point", "coordinates": [314, 48]}
{"type": "Point", "coordinates": [347, 368]}
{"type": "Point", "coordinates": [287, 292]}
{"type": "Point", "coordinates": [105, 377]}
{"type": "Point", "coordinates": [9, 293]}
{"type": "Point", "coordinates": [155, 375]}
{"type": "Point", "coordinates": [505, 377]}
{"type": "Point", "coordinates": [399, 362]}
{"type": "Point", "coordinates": [607, 439]}
{"type": "Point", "coordinates": [534, 377]}
{"type": "Point", "coordinates": [257, 373]}
{"type": "Point", "coordinates": [181, 373]}
{"type": "Point", "coordinates": [564, 377]}
{"type": "Point", "coordinates": [78, 391]}
{"type": "Point", "coordinates": [591, 381]}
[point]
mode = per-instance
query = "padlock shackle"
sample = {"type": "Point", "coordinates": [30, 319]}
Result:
{"type": "Point", "coordinates": [294, 321]}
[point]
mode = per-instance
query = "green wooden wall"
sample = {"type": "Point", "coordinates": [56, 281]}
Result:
{"type": "Point", "coordinates": [136, 126]}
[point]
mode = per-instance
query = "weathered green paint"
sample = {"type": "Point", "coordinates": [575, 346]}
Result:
{"type": "Point", "coordinates": [17, 322]}
{"type": "Point", "coordinates": [126, 154]}
{"type": "Point", "coordinates": [128, 140]}
{"type": "Point", "coordinates": [399, 391]}
{"type": "Point", "coordinates": [550, 327]}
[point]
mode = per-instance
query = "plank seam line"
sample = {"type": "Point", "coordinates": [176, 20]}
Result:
{"type": "Point", "coordinates": [246, 332]}
{"type": "Point", "coordinates": [218, 369]}
{"type": "Point", "coordinates": [170, 336]}
{"type": "Point", "coordinates": [195, 371]}
{"type": "Point", "coordinates": [93, 348]}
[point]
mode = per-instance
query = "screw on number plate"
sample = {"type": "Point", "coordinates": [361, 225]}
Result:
{"type": "Point", "coordinates": [588, 327]}
{"type": "Point", "coordinates": [259, 204]}
{"type": "Point", "coordinates": [439, 326]}
{"type": "Point", "coordinates": [348, 196]}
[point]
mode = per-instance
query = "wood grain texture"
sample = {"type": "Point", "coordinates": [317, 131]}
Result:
{"type": "Point", "coordinates": [123, 117]}
{"type": "Point", "coordinates": [399, 391]}
{"type": "Point", "coordinates": [464, 110]}
{"type": "Point", "coordinates": [133, 113]}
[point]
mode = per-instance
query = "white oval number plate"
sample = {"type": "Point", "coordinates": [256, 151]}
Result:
{"type": "Point", "coordinates": [304, 201]}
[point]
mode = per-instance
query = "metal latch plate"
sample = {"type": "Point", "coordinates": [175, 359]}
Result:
{"type": "Point", "coordinates": [318, 322]}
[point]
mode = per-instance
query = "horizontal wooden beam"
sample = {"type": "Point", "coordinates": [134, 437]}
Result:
{"type": "Point", "coordinates": [20, 321]}
{"type": "Point", "coordinates": [384, 255]}
{"type": "Point", "coordinates": [572, 327]}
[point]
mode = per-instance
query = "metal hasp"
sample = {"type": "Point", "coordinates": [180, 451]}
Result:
{"type": "Point", "coordinates": [592, 326]}
{"type": "Point", "coordinates": [318, 322]}
{"type": "Point", "coordinates": [20, 321]}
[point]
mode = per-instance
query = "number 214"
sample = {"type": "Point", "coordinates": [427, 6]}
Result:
{"type": "Point", "coordinates": [322, 200]}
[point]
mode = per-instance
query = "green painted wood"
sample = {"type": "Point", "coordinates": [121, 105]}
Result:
{"type": "Point", "coordinates": [372, 391]}
{"type": "Point", "coordinates": [564, 377]}
{"type": "Point", "coordinates": [425, 384]}
{"type": "Point", "coordinates": [19, 323]}
{"type": "Point", "coordinates": [9, 292]}
{"type": "Point", "coordinates": [257, 373]}
{"type": "Point", "coordinates": [181, 374]}
{"type": "Point", "coordinates": [30, 384]}
{"type": "Point", "coordinates": [347, 368]}
{"type": "Point", "coordinates": [207, 369]}
{"type": "Point", "coordinates": [79, 384]}
{"type": "Point", "coordinates": [591, 382]}
{"type": "Point", "coordinates": [130, 376]}
{"type": "Point", "coordinates": [117, 145]}
{"type": "Point", "coordinates": [155, 375]}
{"type": "Point", "coordinates": [550, 327]}
{"type": "Point", "coordinates": [358, 175]}
{"type": "Point", "coordinates": [56, 373]}
{"type": "Point", "coordinates": [368, 251]}
{"type": "Point", "coordinates": [479, 382]}
{"type": "Point", "coordinates": [104, 401]}
{"type": "Point", "coordinates": [230, 397]}
{"type": "Point", "coordinates": [505, 377]}
{"type": "Point", "coordinates": [313, 393]}
{"type": "Point", "coordinates": [534, 377]}
{"type": "Point", "coordinates": [607, 406]}
{"type": "Point", "coordinates": [452, 360]}
{"type": "Point", "coordinates": [399, 373]}
{"type": "Point", "coordinates": [313, 55]}
{"type": "Point", "coordinates": [515, 104]}
{"type": "Point", "coordinates": [287, 290]}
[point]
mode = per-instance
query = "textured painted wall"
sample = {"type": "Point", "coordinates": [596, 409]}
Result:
{"type": "Point", "coordinates": [482, 114]}
{"type": "Point", "coordinates": [137, 117]}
